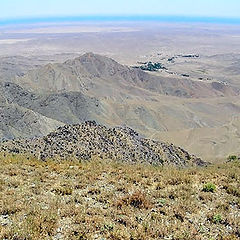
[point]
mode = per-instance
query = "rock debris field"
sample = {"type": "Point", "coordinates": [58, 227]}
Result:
{"type": "Point", "coordinates": [89, 139]}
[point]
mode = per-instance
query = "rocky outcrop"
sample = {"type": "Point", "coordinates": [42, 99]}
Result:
{"type": "Point", "coordinates": [89, 139]}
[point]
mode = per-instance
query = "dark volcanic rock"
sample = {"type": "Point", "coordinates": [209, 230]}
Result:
{"type": "Point", "coordinates": [86, 140]}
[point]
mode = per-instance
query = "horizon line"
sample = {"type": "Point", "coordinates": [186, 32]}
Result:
{"type": "Point", "coordinates": [91, 18]}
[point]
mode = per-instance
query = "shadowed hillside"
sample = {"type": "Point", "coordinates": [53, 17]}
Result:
{"type": "Point", "coordinates": [28, 114]}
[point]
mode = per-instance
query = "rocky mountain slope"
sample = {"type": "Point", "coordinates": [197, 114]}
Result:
{"type": "Point", "coordinates": [97, 74]}
{"type": "Point", "coordinates": [28, 114]}
{"type": "Point", "coordinates": [86, 140]}
{"type": "Point", "coordinates": [69, 107]}
{"type": "Point", "coordinates": [17, 121]}
{"type": "Point", "coordinates": [94, 87]}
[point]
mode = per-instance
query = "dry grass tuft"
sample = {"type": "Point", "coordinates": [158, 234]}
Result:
{"type": "Point", "coordinates": [136, 200]}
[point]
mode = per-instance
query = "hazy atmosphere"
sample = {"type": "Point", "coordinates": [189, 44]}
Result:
{"type": "Point", "coordinates": [53, 8]}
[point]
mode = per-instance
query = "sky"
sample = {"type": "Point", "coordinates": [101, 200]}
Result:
{"type": "Point", "coordinates": [12, 9]}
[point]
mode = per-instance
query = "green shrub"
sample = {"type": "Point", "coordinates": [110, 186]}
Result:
{"type": "Point", "coordinates": [217, 218]}
{"type": "Point", "coordinates": [209, 187]}
{"type": "Point", "coordinates": [232, 158]}
{"type": "Point", "coordinates": [162, 202]}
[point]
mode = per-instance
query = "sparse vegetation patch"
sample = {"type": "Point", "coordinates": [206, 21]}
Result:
{"type": "Point", "coordinates": [104, 199]}
{"type": "Point", "coordinates": [209, 187]}
{"type": "Point", "coordinates": [151, 66]}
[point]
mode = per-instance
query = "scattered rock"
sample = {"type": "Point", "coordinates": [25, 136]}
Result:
{"type": "Point", "coordinates": [89, 139]}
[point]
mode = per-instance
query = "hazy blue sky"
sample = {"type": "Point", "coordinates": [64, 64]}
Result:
{"type": "Point", "coordinates": [50, 8]}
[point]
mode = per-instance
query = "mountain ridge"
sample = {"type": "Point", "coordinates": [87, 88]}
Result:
{"type": "Point", "coordinates": [95, 73]}
{"type": "Point", "coordinates": [94, 87]}
{"type": "Point", "coordinates": [89, 139]}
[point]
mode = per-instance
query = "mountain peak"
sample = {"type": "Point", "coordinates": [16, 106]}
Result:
{"type": "Point", "coordinates": [91, 58]}
{"type": "Point", "coordinates": [91, 55]}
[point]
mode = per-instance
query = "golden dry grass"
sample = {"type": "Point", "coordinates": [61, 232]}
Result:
{"type": "Point", "coordinates": [110, 200]}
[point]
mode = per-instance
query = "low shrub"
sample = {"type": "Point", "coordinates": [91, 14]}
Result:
{"type": "Point", "coordinates": [136, 199]}
{"type": "Point", "coordinates": [209, 187]}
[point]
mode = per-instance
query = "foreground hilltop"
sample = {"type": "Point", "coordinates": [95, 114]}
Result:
{"type": "Point", "coordinates": [86, 140]}
{"type": "Point", "coordinates": [103, 199]}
